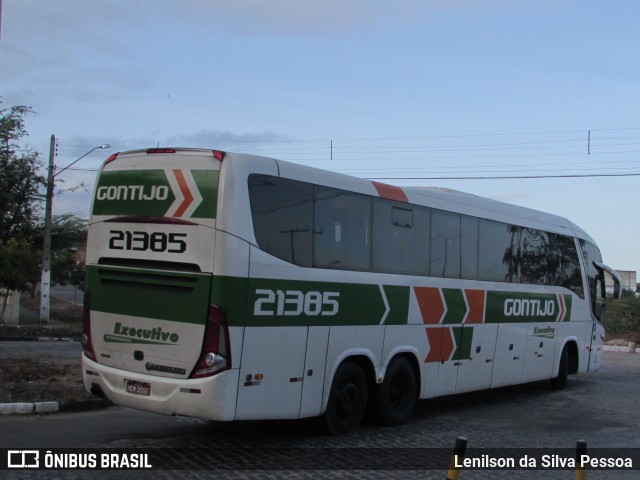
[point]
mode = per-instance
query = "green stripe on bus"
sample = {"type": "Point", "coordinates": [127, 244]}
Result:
{"type": "Point", "coordinates": [179, 297]}
{"type": "Point", "coordinates": [207, 183]}
{"type": "Point", "coordinates": [286, 302]}
{"type": "Point", "coordinates": [463, 337]}
{"type": "Point", "coordinates": [518, 307]}
{"type": "Point", "coordinates": [456, 306]}
{"type": "Point", "coordinates": [133, 192]}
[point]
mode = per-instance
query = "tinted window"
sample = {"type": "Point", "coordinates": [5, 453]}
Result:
{"type": "Point", "coordinates": [496, 260]}
{"type": "Point", "coordinates": [445, 244]}
{"type": "Point", "coordinates": [568, 265]}
{"type": "Point", "coordinates": [469, 247]}
{"type": "Point", "coordinates": [342, 230]}
{"type": "Point", "coordinates": [282, 213]}
{"type": "Point", "coordinates": [591, 254]}
{"type": "Point", "coordinates": [400, 238]}
{"type": "Point", "coordinates": [537, 264]}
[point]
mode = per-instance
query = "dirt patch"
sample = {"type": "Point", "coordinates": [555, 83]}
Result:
{"type": "Point", "coordinates": [29, 380]}
{"type": "Point", "coordinates": [24, 378]}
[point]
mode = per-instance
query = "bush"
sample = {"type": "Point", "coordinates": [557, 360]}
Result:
{"type": "Point", "coordinates": [623, 317]}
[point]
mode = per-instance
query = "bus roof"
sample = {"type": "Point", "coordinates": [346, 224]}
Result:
{"type": "Point", "coordinates": [441, 198]}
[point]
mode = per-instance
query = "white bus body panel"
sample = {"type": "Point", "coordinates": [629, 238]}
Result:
{"type": "Point", "coordinates": [475, 373]}
{"type": "Point", "coordinates": [509, 355]}
{"type": "Point", "coordinates": [213, 398]}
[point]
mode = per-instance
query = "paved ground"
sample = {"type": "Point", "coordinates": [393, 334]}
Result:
{"type": "Point", "coordinates": [602, 408]}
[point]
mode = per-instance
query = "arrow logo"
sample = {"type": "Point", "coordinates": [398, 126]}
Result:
{"type": "Point", "coordinates": [185, 190]}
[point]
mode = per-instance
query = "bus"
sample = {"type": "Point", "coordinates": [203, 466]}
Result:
{"type": "Point", "coordinates": [235, 287]}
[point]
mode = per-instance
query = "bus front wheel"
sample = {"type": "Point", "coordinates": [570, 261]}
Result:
{"type": "Point", "coordinates": [347, 399]}
{"type": "Point", "coordinates": [560, 381]}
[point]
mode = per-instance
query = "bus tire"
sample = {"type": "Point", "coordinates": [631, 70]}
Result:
{"type": "Point", "coordinates": [398, 393]}
{"type": "Point", "coordinates": [560, 381]}
{"type": "Point", "coordinates": [347, 399]}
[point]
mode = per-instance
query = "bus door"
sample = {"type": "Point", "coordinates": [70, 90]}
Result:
{"type": "Point", "coordinates": [476, 357]}
{"type": "Point", "coordinates": [466, 357]}
{"type": "Point", "coordinates": [598, 295]}
{"type": "Point", "coordinates": [282, 372]}
{"type": "Point", "coordinates": [271, 372]}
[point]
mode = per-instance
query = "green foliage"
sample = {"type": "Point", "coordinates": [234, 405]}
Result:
{"type": "Point", "coordinates": [20, 207]}
{"type": "Point", "coordinates": [20, 182]}
{"type": "Point", "coordinates": [18, 266]}
{"type": "Point", "coordinates": [623, 317]}
{"type": "Point", "coordinates": [68, 238]}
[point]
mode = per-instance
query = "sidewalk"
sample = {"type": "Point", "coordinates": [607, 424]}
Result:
{"type": "Point", "coordinates": [41, 369]}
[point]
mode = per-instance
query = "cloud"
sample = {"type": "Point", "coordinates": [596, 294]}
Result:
{"type": "Point", "coordinates": [229, 140]}
{"type": "Point", "coordinates": [302, 17]}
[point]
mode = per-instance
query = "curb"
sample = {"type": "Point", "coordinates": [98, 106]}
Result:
{"type": "Point", "coordinates": [38, 339]}
{"type": "Point", "coordinates": [28, 408]}
{"type": "Point", "coordinates": [615, 348]}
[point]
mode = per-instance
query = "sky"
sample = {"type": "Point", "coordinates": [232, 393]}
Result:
{"type": "Point", "coordinates": [448, 93]}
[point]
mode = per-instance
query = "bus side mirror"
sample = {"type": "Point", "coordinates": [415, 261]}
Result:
{"type": "Point", "coordinates": [617, 281]}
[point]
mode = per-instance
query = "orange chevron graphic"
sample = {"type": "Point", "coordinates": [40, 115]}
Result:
{"type": "Point", "coordinates": [390, 192]}
{"type": "Point", "coordinates": [475, 299]}
{"type": "Point", "coordinates": [563, 308]}
{"type": "Point", "coordinates": [431, 304]}
{"type": "Point", "coordinates": [441, 344]}
{"type": "Point", "coordinates": [184, 188]}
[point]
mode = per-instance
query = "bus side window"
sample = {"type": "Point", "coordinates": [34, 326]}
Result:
{"type": "Point", "coordinates": [282, 211]}
{"type": "Point", "coordinates": [445, 244]}
{"type": "Point", "coordinates": [400, 232]}
{"type": "Point", "coordinates": [342, 230]}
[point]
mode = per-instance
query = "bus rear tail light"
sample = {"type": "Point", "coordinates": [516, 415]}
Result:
{"type": "Point", "coordinates": [219, 155]}
{"type": "Point", "coordinates": [85, 338]}
{"type": "Point", "coordinates": [111, 158]}
{"type": "Point", "coordinates": [215, 356]}
{"type": "Point", "coordinates": [152, 151]}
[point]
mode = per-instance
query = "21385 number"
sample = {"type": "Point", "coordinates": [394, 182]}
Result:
{"type": "Point", "coordinates": [143, 241]}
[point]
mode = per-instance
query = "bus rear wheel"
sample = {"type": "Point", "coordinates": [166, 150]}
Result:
{"type": "Point", "coordinates": [347, 399]}
{"type": "Point", "coordinates": [397, 395]}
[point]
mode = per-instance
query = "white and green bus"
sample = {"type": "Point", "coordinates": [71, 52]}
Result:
{"type": "Point", "coordinates": [232, 287]}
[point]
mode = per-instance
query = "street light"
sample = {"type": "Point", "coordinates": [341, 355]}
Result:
{"type": "Point", "coordinates": [45, 286]}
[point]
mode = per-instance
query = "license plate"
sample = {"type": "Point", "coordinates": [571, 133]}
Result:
{"type": "Point", "coordinates": [138, 388]}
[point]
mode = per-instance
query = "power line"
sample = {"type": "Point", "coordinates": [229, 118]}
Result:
{"type": "Point", "coordinates": [508, 177]}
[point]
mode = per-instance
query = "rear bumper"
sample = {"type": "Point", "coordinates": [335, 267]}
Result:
{"type": "Point", "coordinates": [213, 398]}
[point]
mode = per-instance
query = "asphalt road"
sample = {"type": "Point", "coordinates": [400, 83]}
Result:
{"type": "Point", "coordinates": [600, 408]}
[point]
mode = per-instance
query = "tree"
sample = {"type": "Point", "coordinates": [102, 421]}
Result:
{"type": "Point", "coordinates": [20, 182]}
{"type": "Point", "coordinates": [18, 267]}
{"type": "Point", "coordinates": [20, 201]}
{"type": "Point", "coordinates": [68, 239]}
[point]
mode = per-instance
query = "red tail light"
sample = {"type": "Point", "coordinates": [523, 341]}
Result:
{"type": "Point", "coordinates": [85, 338]}
{"type": "Point", "coordinates": [111, 158]}
{"type": "Point", "coordinates": [160, 150]}
{"type": "Point", "coordinates": [215, 356]}
{"type": "Point", "coordinates": [219, 155]}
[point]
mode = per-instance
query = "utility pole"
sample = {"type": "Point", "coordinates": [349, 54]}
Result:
{"type": "Point", "coordinates": [45, 287]}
